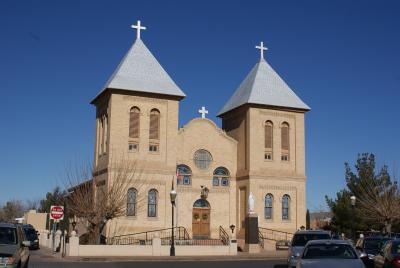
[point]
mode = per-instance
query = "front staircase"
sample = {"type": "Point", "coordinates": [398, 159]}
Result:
{"type": "Point", "coordinates": [267, 238]}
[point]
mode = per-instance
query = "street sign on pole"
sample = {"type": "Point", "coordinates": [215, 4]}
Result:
{"type": "Point", "coordinates": [57, 212]}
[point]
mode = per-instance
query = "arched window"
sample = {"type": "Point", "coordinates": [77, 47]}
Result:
{"type": "Point", "coordinates": [152, 203]}
{"type": "Point", "coordinates": [134, 122]}
{"type": "Point", "coordinates": [268, 206]}
{"type": "Point", "coordinates": [184, 175]}
{"type": "Point", "coordinates": [154, 130]}
{"type": "Point", "coordinates": [221, 177]}
{"type": "Point", "coordinates": [268, 143]}
{"type": "Point", "coordinates": [285, 207]}
{"type": "Point", "coordinates": [202, 159]}
{"type": "Point", "coordinates": [131, 197]}
{"type": "Point", "coordinates": [154, 133]}
{"type": "Point", "coordinates": [285, 141]}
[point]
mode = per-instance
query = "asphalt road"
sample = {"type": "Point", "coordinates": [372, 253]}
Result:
{"type": "Point", "coordinates": [42, 259]}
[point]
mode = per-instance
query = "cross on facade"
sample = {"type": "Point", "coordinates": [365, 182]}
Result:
{"type": "Point", "coordinates": [203, 112]}
{"type": "Point", "coordinates": [261, 47]}
{"type": "Point", "coordinates": [138, 27]}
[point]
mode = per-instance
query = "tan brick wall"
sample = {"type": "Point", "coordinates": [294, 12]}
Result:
{"type": "Point", "coordinates": [240, 150]}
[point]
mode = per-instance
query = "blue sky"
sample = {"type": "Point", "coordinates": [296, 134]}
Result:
{"type": "Point", "coordinates": [341, 57]}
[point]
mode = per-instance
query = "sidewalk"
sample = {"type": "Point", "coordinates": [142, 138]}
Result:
{"type": "Point", "coordinates": [47, 255]}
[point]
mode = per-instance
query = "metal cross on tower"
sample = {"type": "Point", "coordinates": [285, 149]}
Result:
{"type": "Point", "coordinates": [261, 47]}
{"type": "Point", "coordinates": [203, 112]}
{"type": "Point", "coordinates": [138, 27]}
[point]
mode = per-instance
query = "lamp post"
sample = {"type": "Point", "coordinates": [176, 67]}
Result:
{"type": "Point", "coordinates": [353, 204]}
{"type": "Point", "coordinates": [172, 195]}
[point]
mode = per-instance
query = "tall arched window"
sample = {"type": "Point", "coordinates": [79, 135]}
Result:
{"type": "Point", "coordinates": [285, 207]}
{"type": "Point", "coordinates": [131, 197]}
{"type": "Point", "coordinates": [221, 177]}
{"type": "Point", "coordinates": [268, 143]}
{"type": "Point", "coordinates": [285, 141]}
{"type": "Point", "coordinates": [184, 175]}
{"type": "Point", "coordinates": [268, 206]}
{"type": "Point", "coordinates": [154, 130]}
{"type": "Point", "coordinates": [134, 122]}
{"type": "Point", "coordinates": [152, 203]}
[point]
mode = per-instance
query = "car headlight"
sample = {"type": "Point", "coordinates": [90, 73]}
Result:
{"type": "Point", "coordinates": [370, 256]}
{"type": "Point", "coordinates": [36, 240]}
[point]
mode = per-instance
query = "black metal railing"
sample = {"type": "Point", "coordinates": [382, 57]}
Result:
{"type": "Point", "coordinates": [223, 236]}
{"type": "Point", "coordinates": [275, 235]}
{"type": "Point", "coordinates": [146, 238]}
{"type": "Point", "coordinates": [194, 242]}
{"type": "Point", "coordinates": [260, 239]}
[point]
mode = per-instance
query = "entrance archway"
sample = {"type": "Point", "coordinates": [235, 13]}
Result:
{"type": "Point", "coordinates": [201, 219]}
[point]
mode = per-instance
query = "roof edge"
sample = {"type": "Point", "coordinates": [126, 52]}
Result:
{"type": "Point", "coordinates": [257, 105]}
{"type": "Point", "coordinates": [136, 93]}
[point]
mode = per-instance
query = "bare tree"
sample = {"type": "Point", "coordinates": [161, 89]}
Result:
{"type": "Point", "coordinates": [378, 200]}
{"type": "Point", "coordinates": [96, 198]}
{"type": "Point", "coordinates": [32, 204]}
{"type": "Point", "coordinates": [11, 210]}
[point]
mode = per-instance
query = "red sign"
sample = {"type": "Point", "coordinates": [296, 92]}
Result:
{"type": "Point", "coordinates": [57, 212]}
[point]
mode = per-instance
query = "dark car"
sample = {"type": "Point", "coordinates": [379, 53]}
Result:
{"type": "Point", "coordinates": [369, 247]}
{"type": "Point", "coordinates": [388, 256]}
{"type": "Point", "coordinates": [14, 248]}
{"type": "Point", "coordinates": [299, 240]}
{"type": "Point", "coordinates": [31, 235]}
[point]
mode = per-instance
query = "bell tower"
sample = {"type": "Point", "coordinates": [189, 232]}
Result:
{"type": "Point", "coordinates": [267, 119]}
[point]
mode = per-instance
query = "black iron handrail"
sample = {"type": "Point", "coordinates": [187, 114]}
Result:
{"type": "Point", "coordinates": [223, 236]}
{"type": "Point", "coordinates": [275, 235]}
{"type": "Point", "coordinates": [145, 238]}
{"type": "Point", "coordinates": [260, 239]}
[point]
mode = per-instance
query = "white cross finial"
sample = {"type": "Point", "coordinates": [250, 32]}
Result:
{"type": "Point", "coordinates": [203, 112]}
{"type": "Point", "coordinates": [138, 27]}
{"type": "Point", "coordinates": [261, 47]}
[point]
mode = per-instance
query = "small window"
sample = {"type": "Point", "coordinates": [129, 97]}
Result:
{"type": "Point", "coordinates": [224, 182]}
{"type": "Point", "coordinates": [202, 159]}
{"type": "Point", "coordinates": [152, 203]}
{"type": "Point", "coordinates": [221, 175]}
{"type": "Point", "coordinates": [153, 148]}
{"type": "Point", "coordinates": [133, 147]}
{"type": "Point", "coordinates": [285, 207]}
{"type": "Point", "coordinates": [131, 202]}
{"type": "Point", "coordinates": [183, 174]}
{"type": "Point", "coordinates": [268, 206]}
{"type": "Point", "coordinates": [268, 156]}
{"type": "Point", "coordinates": [285, 157]}
{"type": "Point", "coordinates": [215, 181]}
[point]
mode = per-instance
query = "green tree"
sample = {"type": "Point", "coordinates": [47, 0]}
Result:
{"type": "Point", "coordinates": [56, 197]}
{"type": "Point", "coordinates": [377, 198]}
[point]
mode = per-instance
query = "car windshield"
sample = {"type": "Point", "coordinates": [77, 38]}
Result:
{"type": "Point", "coordinates": [30, 234]}
{"type": "Point", "coordinates": [329, 251]}
{"type": "Point", "coordinates": [8, 236]}
{"type": "Point", "coordinates": [300, 240]}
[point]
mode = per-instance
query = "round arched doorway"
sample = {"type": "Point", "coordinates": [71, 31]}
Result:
{"type": "Point", "coordinates": [201, 219]}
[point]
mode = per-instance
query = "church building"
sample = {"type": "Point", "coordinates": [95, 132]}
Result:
{"type": "Point", "coordinates": [259, 150]}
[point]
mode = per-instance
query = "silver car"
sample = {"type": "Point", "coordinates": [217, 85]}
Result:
{"type": "Point", "coordinates": [329, 254]}
{"type": "Point", "coordinates": [14, 248]}
{"type": "Point", "coordinates": [299, 240]}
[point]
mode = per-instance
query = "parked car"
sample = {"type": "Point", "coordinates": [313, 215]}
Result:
{"type": "Point", "coordinates": [14, 248]}
{"type": "Point", "coordinates": [329, 254]}
{"type": "Point", "coordinates": [369, 247]}
{"type": "Point", "coordinates": [388, 256]}
{"type": "Point", "coordinates": [31, 235]}
{"type": "Point", "coordinates": [299, 240]}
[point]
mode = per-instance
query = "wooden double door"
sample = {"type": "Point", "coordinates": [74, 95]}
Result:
{"type": "Point", "coordinates": [201, 223]}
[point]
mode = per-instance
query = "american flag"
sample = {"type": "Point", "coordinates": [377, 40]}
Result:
{"type": "Point", "coordinates": [178, 177]}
